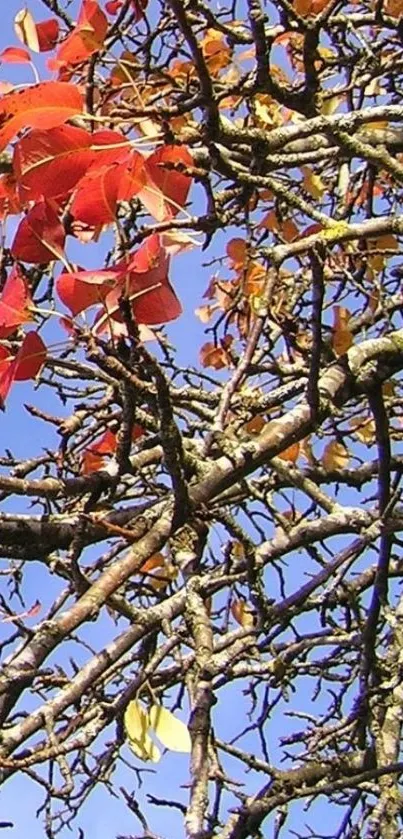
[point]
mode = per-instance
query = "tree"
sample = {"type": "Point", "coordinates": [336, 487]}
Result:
{"type": "Point", "coordinates": [221, 541]}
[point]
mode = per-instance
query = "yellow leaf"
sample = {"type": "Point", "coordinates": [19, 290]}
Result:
{"type": "Point", "coordinates": [313, 183]}
{"type": "Point", "coordinates": [25, 29]}
{"type": "Point", "coordinates": [238, 551]}
{"type": "Point", "coordinates": [173, 733]}
{"type": "Point", "coordinates": [266, 111]}
{"type": "Point", "coordinates": [335, 231]}
{"type": "Point", "coordinates": [382, 245]}
{"type": "Point", "coordinates": [136, 723]}
{"type": "Point", "coordinates": [364, 430]}
{"type": "Point", "coordinates": [376, 125]}
{"type": "Point", "coordinates": [335, 456]}
{"type": "Point", "coordinates": [331, 103]}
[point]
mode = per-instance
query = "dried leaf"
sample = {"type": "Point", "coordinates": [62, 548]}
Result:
{"type": "Point", "coordinates": [158, 571]}
{"type": "Point", "coordinates": [335, 456]}
{"type": "Point", "coordinates": [243, 613]}
{"type": "Point", "coordinates": [290, 453]}
{"type": "Point", "coordinates": [364, 430]}
{"type": "Point", "coordinates": [342, 337]}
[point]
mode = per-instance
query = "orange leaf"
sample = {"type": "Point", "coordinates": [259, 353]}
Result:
{"type": "Point", "coordinates": [291, 453]}
{"type": "Point", "coordinates": [87, 37]}
{"type": "Point", "coordinates": [309, 7]}
{"type": "Point", "coordinates": [159, 572]}
{"type": "Point", "coordinates": [15, 55]}
{"type": "Point", "coordinates": [43, 105]}
{"type": "Point", "coordinates": [166, 189]}
{"type": "Point", "coordinates": [255, 425]}
{"type": "Point", "coordinates": [9, 201]}
{"type": "Point", "coordinates": [243, 614]}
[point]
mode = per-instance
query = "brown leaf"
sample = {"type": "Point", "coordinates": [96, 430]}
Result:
{"type": "Point", "coordinates": [335, 456]}
{"type": "Point", "coordinates": [342, 337]}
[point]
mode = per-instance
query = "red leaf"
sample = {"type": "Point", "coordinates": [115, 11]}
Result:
{"type": "Point", "coordinates": [132, 177]}
{"type": "Point", "coordinates": [147, 257]}
{"type": "Point", "coordinates": [139, 7]}
{"type": "Point", "coordinates": [166, 190]}
{"type": "Point", "coordinates": [40, 235]}
{"type": "Point", "coordinates": [109, 147]}
{"type": "Point", "coordinates": [102, 187]}
{"type": "Point", "coordinates": [87, 37]}
{"type": "Point", "coordinates": [91, 17]}
{"type": "Point", "coordinates": [82, 289]}
{"type": "Point", "coordinates": [48, 33]}
{"type": "Point", "coordinates": [316, 227]}
{"type": "Point", "coordinates": [15, 55]}
{"type": "Point", "coordinates": [32, 612]}
{"type": "Point", "coordinates": [50, 163]}
{"type": "Point", "coordinates": [93, 457]}
{"type": "Point", "coordinates": [25, 365]}
{"type": "Point", "coordinates": [95, 200]}
{"type": "Point", "coordinates": [44, 106]}
{"type": "Point", "coordinates": [143, 279]}
{"type": "Point", "coordinates": [30, 358]}
{"type": "Point", "coordinates": [7, 368]}
{"type": "Point", "coordinates": [113, 6]}
{"type": "Point", "coordinates": [15, 300]}
{"type": "Point", "coordinates": [152, 302]}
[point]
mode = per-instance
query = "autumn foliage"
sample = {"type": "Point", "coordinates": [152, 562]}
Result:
{"type": "Point", "coordinates": [200, 292]}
